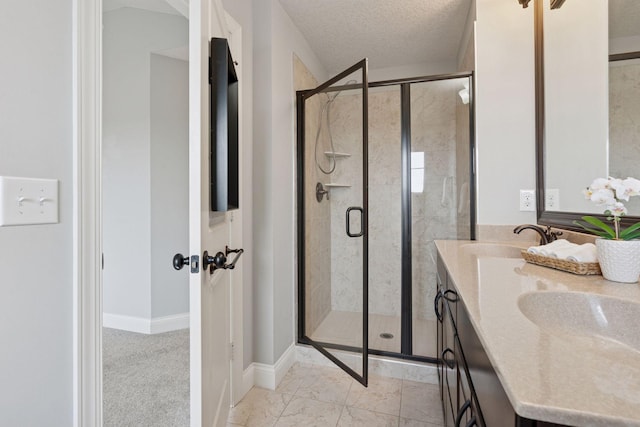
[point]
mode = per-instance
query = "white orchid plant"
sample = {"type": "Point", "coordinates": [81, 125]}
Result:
{"type": "Point", "coordinates": [610, 192]}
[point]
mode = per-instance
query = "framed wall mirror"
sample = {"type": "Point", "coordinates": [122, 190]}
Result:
{"type": "Point", "coordinates": [588, 104]}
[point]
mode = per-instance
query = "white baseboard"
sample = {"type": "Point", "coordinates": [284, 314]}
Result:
{"type": "Point", "coordinates": [169, 323]}
{"type": "Point", "coordinates": [269, 376]}
{"type": "Point", "coordinates": [142, 325]}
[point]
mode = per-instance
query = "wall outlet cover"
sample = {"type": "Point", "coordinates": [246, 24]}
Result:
{"type": "Point", "coordinates": [527, 200]}
{"type": "Point", "coordinates": [552, 199]}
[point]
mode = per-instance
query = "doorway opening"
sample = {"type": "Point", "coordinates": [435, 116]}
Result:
{"type": "Point", "coordinates": [145, 170]}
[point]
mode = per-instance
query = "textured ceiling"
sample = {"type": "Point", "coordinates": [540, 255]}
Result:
{"type": "Point", "coordinates": [624, 18]}
{"type": "Point", "coordinates": [388, 32]}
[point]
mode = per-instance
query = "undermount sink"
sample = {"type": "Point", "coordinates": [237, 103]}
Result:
{"type": "Point", "coordinates": [584, 314]}
{"type": "Point", "coordinates": [499, 250]}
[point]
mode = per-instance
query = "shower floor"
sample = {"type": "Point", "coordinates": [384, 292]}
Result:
{"type": "Point", "coordinates": [345, 328]}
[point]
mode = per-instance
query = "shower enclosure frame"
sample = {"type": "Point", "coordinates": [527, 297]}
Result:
{"type": "Point", "coordinates": [406, 268]}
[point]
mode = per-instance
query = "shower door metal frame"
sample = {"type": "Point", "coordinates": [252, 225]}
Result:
{"type": "Point", "coordinates": [406, 297]}
{"type": "Point", "coordinates": [301, 97]}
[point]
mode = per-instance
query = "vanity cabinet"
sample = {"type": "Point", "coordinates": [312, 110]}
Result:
{"type": "Point", "coordinates": [470, 389]}
{"type": "Point", "coordinates": [459, 403]}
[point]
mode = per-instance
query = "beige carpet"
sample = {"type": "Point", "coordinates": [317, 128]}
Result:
{"type": "Point", "coordinates": [146, 378]}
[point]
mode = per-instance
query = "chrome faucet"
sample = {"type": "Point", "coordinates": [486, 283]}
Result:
{"type": "Point", "coordinates": [546, 235]}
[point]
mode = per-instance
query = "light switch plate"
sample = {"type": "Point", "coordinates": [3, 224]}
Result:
{"type": "Point", "coordinates": [25, 201]}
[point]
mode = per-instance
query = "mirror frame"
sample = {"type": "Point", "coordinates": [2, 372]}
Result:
{"type": "Point", "coordinates": [557, 219]}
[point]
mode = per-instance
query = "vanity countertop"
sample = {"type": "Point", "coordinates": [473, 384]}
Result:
{"type": "Point", "coordinates": [547, 373]}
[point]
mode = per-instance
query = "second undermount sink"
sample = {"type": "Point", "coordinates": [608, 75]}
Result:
{"type": "Point", "coordinates": [499, 250]}
{"type": "Point", "coordinates": [584, 314]}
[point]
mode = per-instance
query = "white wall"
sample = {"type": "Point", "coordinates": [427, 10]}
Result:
{"type": "Point", "coordinates": [36, 261]}
{"type": "Point", "coordinates": [276, 39]}
{"type": "Point", "coordinates": [169, 182]}
{"type": "Point", "coordinates": [505, 110]}
{"type": "Point", "coordinates": [130, 36]}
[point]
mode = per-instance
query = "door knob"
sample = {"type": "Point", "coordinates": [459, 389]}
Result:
{"type": "Point", "coordinates": [180, 261]}
{"type": "Point", "coordinates": [215, 262]}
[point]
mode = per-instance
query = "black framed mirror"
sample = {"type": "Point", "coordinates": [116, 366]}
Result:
{"type": "Point", "coordinates": [585, 128]}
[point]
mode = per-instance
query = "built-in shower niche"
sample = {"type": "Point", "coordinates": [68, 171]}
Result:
{"type": "Point", "coordinates": [415, 171]}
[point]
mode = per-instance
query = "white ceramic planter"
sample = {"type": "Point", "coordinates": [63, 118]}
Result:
{"type": "Point", "coordinates": [619, 259]}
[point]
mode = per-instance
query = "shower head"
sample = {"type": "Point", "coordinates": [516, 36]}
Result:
{"type": "Point", "coordinates": [464, 94]}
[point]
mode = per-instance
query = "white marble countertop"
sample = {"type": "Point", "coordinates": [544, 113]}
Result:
{"type": "Point", "coordinates": [548, 374]}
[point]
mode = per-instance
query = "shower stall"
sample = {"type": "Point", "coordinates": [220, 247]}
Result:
{"type": "Point", "coordinates": [383, 170]}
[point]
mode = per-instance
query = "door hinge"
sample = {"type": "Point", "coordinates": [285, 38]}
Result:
{"type": "Point", "coordinates": [232, 349]}
{"type": "Point", "coordinates": [195, 263]}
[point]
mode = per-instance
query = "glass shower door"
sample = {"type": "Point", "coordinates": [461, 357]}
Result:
{"type": "Point", "coordinates": [333, 219]}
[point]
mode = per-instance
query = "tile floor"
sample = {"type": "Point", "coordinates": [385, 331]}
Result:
{"type": "Point", "coordinates": [311, 395]}
{"type": "Point", "coordinates": [344, 327]}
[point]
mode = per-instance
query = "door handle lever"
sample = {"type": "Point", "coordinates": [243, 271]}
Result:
{"type": "Point", "coordinates": [228, 251]}
{"type": "Point", "coordinates": [219, 261]}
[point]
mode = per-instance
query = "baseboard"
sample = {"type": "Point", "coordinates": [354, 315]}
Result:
{"type": "Point", "coordinates": [169, 323]}
{"type": "Point", "coordinates": [142, 325]}
{"type": "Point", "coordinates": [269, 376]}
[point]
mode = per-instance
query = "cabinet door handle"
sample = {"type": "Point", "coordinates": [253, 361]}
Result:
{"type": "Point", "coordinates": [451, 295]}
{"type": "Point", "coordinates": [450, 363]}
{"type": "Point", "coordinates": [472, 422]}
{"type": "Point", "coordinates": [463, 409]}
{"type": "Point", "coordinates": [436, 307]}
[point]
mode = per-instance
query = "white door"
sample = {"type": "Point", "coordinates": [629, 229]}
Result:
{"type": "Point", "coordinates": [209, 293]}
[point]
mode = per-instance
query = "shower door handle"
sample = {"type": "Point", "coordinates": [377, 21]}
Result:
{"type": "Point", "coordinates": [349, 233]}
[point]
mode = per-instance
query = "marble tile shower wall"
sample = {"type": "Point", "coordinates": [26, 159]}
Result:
{"type": "Point", "coordinates": [384, 203]}
{"type": "Point", "coordinates": [463, 172]}
{"type": "Point", "coordinates": [346, 252]}
{"type": "Point", "coordinates": [334, 260]}
{"type": "Point", "coordinates": [318, 217]}
{"type": "Point", "coordinates": [624, 124]}
{"type": "Point", "coordinates": [433, 132]}
{"type": "Point", "coordinates": [463, 150]}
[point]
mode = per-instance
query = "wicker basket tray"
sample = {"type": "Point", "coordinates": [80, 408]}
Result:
{"type": "Point", "coordinates": [582, 268]}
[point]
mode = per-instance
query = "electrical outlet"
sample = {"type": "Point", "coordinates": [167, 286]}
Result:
{"type": "Point", "coordinates": [527, 200]}
{"type": "Point", "coordinates": [552, 199]}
